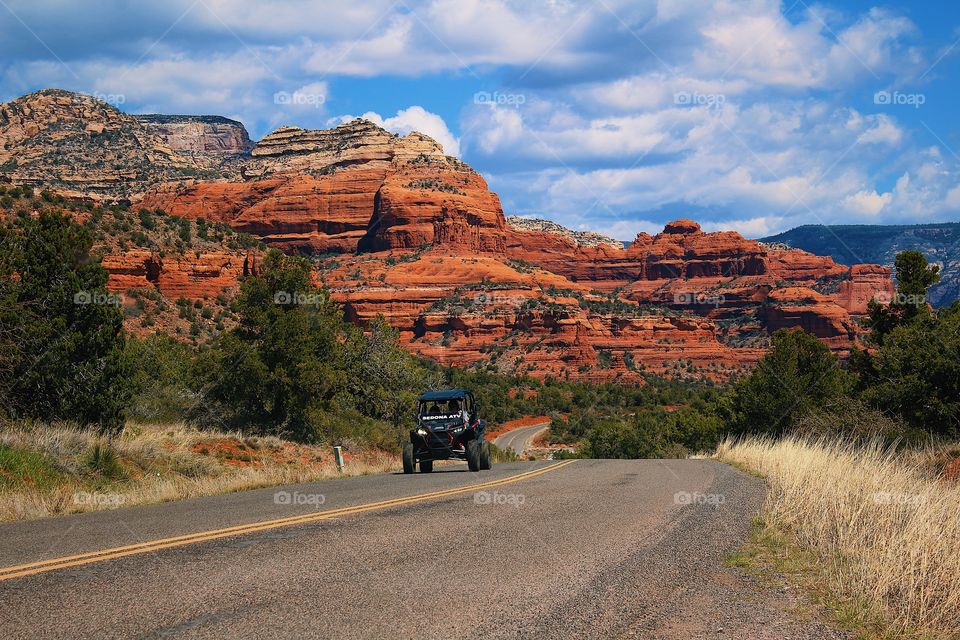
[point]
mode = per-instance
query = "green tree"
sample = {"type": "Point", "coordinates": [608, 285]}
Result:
{"type": "Point", "coordinates": [698, 429]}
{"type": "Point", "coordinates": [160, 374]}
{"type": "Point", "coordinates": [62, 342]}
{"type": "Point", "coordinates": [383, 377]}
{"type": "Point", "coordinates": [280, 370]}
{"type": "Point", "coordinates": [914, 277]}
{"type": "Point", "coordinates": [649, 434]}
{"type": "Point", "coordinates": [799, 372]}
{"type": "Point", "coordinates": [916, 372]}
{"type": "Point", "coordinates": [914, 369]}
{"type": "Point", "coordinates": [613, 438]}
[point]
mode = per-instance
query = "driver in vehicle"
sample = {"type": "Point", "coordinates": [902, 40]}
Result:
{"type": "Point", "coordinates": [453, 408]}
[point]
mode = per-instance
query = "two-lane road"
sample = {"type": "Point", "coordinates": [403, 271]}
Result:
{"type": "Point", "coordinates": [520, 439]}
{"type": "Point", "coordinates": [585, 549]}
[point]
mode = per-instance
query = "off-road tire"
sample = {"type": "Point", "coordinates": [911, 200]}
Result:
{"type": "Point", "coordinates": [485, 461]}
{"type": "Point", "coordinates": [426, 466]}
{"type": "Point", "coordinates": [409, 463]}
{"type": "Point", "coordinates": [473, 455]}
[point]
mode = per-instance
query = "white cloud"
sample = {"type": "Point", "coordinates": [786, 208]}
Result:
{"type": "Point", "coordinates": [414, 118]}
{"type": "Point", "coordinates": [868, 203]}
{"type": "Point", "coordinates": [749, 227]}
{"type": "Point", "coordinates": [884, 131]}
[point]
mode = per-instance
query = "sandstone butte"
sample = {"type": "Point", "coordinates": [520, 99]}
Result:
{"type": "Point", "coordinates": [400, 229]}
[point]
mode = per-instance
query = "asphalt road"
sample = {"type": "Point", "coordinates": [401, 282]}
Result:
{"type": "Point", "coordinates": [581, 549]}
{"type": "Point", "coordinates": [520, 439]}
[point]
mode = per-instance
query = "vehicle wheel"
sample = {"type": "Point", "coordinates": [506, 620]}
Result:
{"type": "Point", "coordinates": [426, 466]}
{"type": "Point", "coordinates": [473, 455]}
{"type": "Point", "coordinates": [408, 462]}
{"type": "Point", "coordinates": [485, 461]}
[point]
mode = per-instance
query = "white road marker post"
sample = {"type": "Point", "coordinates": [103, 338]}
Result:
{"type": "Point", "coordinates": [338, 457]}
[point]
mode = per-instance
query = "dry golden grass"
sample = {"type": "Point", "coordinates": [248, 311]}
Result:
{"type": "Point", "coordinates": [885, 532]}
{"type": "Point", "coordinates": [156, 463]}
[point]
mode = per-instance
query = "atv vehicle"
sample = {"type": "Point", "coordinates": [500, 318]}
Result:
{"type": "Point", "coordinates": [448, 428]}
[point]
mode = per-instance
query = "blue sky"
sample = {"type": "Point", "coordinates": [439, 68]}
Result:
{"type": "Point", "coordinates": [609, 115]}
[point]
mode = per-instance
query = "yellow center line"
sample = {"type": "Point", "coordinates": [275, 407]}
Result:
{"type": "Point", "coordinates": [53, 564]}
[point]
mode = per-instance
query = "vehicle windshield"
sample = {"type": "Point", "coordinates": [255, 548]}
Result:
{"type": "Point", "coordinates": [440, 409]}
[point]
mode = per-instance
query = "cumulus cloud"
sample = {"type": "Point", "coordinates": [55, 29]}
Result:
{"type": "Point", "coordinates": [414, 118]}
{"type": "Point", "coordinates": [751, 120]}
{"type": "Point", "coordinates": [868, 203]}
{"type": "Point", "coordinates": [750, 227]}
{"type": "Point", "coordinates": [791, 163]}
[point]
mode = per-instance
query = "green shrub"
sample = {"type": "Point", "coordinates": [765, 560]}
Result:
{"type": "Point", "coordinates": [852, 419]}
{"type": "Point", "coordinates": [61, 351]}
{"type": "Point", "coordinates": [102, 460]}
{"type": "Point", "coordinates": [798, 373]}
{"type": "Point", "coordinates": [146, 220]}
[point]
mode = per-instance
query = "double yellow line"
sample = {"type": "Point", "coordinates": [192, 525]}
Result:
{"type": "Point", "coordinates": [43, 566]}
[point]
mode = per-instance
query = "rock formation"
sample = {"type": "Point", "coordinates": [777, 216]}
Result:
{"type": "Point", "coordinates": [400, 229]}
{"type": "Point", "coordinates": [580, 238]}
{"type": "Point", "coordinates": [865, 282]}
{"type": "Point", "coordinates": [209, 137]}
{"type": "Point", "coordinates": [185, 276]}
{"type": "Point", "coordinates": [82, 146]}
{"type": "Point", "coordinates": [432, 201]}
{"type": "Point", "coordinates": [353, 186]}
{"type": "Point", "coordinates": [360, 142]}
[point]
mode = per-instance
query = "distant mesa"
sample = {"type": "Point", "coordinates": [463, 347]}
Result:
{"type": "Point", "coordinates": [212, 135]}
{"type": "Point", "coordinates": [853, 244]}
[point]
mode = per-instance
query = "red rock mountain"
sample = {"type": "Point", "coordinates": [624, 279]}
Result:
{"type": "Point", "coordinates": [400, 229]}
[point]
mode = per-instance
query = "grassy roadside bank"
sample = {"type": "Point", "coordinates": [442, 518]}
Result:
{"type": "Point", "coordinates": [48, 470]}
{"type": "Point", "coordinates": [871, 534]}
